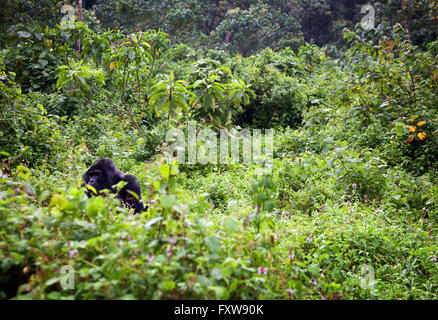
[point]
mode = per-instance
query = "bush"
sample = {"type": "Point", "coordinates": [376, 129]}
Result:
{"type": "Point", "coordinates": [27, 135]}
{"type": "Point", "coordinates": [278, 100]}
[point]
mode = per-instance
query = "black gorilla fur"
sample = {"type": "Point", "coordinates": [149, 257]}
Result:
{"type": "Point", "coordinates": [104, 175]}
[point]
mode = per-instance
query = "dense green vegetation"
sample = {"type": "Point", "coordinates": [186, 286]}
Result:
{"type": "Point", "coordinates": [354, 180]}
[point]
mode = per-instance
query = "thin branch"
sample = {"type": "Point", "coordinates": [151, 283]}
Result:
{"type": "Point", "coordinates": [413, 85]}
{"type": "Point", "coordinates": [117, 109]}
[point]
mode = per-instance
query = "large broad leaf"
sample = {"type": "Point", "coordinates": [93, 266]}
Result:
{"type": "Point", "coordinates": [167, 200]}
{"type": "Point", "coordinates": [24, 34]}
{"type": "Point", "coordinates": [213, 244]}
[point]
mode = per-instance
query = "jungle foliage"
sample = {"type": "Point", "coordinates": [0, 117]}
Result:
{"type": "Point", "coordinates": [354, 176]}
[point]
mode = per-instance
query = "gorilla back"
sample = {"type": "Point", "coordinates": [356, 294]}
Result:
{"type": "Point", "coordinates": [103, 174]}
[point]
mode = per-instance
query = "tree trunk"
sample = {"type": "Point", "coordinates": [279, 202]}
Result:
{"type": "Point", "coordinates": [78, 40]}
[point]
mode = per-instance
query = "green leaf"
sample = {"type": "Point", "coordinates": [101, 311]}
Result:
{"type": "Point", "coordinates": [227, 271]}
{"type": "Point", "coordinates": [167, 200]}
{"type": "Point", "coordinates": [216, 273]}
{"type": "Point", "coordinates": [23, 172]}
{"type": "Point", "coordinates": [230, 224]}
{"type": "Point", "coordinates": [221, 293]}
{"type": "Point", "coordinates": [169, 285]}
{"type": "Point", "coordinates": [213, 244]}
{"type": "Point", "coordinates": [17, 256]}
{"type": "Point", "coordinates": [233, 285]}
{"type": "Point", "coordinates": [165, 170]}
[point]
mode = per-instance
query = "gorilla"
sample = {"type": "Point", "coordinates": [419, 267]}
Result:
{"type": "Point", "coordinates": [103, 174]}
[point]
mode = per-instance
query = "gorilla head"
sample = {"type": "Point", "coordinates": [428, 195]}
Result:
{"type": "Point", "coordinates": [104, 175]}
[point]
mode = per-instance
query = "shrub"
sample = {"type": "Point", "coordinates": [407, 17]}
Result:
{"type": "Point", "coordinates": [277, 102]}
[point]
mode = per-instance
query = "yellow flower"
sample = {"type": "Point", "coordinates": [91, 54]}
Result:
{"type": "Point", "coordinates": [412, 129]}
{"type": "Point", "coordinates": [421, 123]}
{"type": "Point", "coordinates": [422, 136]}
